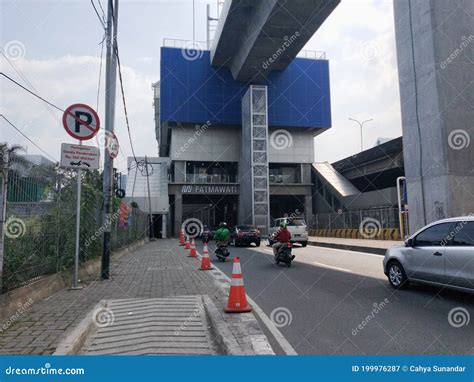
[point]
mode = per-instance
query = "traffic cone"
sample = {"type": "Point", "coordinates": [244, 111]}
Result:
{"type": "Point", "coordinates": [181, 237]}
{"type": "Point", "coordinates": [205, 260]}
{"type": "Point", "coordinates": [187, 246]}
{"type": "Point", "coordinates": [237, 298]}
{"type": "Point", "coordinates": [192, 249]}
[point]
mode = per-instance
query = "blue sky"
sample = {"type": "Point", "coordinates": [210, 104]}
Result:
{"type": "Point", "coordinates": [55, 45]}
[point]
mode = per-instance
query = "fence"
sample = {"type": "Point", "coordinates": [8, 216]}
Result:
{"type": "Point", "coordinates": [40, 221]}
{"type": "Point", "coordinates": [377, 223]}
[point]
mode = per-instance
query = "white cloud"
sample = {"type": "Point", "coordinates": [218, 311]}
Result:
{"type": "Point", "coordinates": [359, 39]}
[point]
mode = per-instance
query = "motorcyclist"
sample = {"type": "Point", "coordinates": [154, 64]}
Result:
{"type": "Point", "coordinates": [222, 235]}
{"type": "Point", "coordinates": [281, 238]}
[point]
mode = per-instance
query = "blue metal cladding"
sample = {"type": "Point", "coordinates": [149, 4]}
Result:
{"type": "Point", "coordinates": [191, 90]}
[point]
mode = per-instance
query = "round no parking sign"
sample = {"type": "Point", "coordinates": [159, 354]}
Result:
{"type": "Point", "coordinates": [81, 121]}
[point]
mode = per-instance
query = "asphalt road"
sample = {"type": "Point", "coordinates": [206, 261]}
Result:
{"type": "Point", "coordinates": [339, 302]}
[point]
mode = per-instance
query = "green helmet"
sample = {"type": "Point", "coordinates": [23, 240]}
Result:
{"type": "Point", "coordinates": [283, 224]}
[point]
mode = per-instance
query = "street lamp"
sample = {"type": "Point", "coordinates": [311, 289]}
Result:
{"type": "Point", "coordinates": [361, 124]}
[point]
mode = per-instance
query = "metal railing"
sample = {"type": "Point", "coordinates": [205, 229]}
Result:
{"type": "Point", "coordinates": [185, 44]}
{"type": "Point", "coordinates": [383, 217]}
{"type": "Point", "coordinates": [312, 54]}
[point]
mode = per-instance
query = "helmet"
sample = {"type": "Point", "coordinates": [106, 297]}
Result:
{"type": "Point", "coordinates": [283, 224]}
{"type": "Point", "coordinates": [223, 224]}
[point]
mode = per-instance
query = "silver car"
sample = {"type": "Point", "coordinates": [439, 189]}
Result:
{"type": "Point", "coordinates": [442, 253]}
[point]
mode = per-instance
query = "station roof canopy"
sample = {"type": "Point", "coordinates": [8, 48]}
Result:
{"type": "Point", "coordinates": [254, 38]}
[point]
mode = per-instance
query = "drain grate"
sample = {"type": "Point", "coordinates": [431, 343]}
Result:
{"type": "Point", "coordinates": [165, 268]}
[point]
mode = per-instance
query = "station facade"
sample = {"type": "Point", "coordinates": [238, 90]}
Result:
{"type": "Point", "coordinates": [240, 152]}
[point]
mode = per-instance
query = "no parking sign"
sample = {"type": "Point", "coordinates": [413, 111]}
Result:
{"type": "Point", "coordinates": [81, 121]}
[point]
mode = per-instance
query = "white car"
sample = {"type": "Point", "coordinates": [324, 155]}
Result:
{"type": "Point", "coordinates": [296, 226]}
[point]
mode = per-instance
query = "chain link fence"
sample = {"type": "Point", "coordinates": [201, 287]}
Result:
{"type": "Point", "coordinates": [39, 237]}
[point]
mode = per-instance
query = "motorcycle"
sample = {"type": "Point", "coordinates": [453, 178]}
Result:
{"type": "Point", "coordinates": [284, 255]}
{"type": "Point", "coordinates": [222, 252]}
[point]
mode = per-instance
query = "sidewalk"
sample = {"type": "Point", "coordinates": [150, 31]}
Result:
{"type": "Point", "coordinates": [360, 245]}
{"type": "Point", "coordinates": [156, 270]}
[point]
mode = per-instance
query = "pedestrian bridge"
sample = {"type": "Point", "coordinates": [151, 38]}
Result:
{"type": "Point", "coordinates": [254, 38]}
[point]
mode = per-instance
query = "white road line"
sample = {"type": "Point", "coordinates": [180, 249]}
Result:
{"type": "Point", "coordinates": [331, 267]}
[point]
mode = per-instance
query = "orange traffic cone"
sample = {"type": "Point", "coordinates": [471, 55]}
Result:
{"type": "Point", "coordinates": [187, 246]}
{"type": "Point", "coordinates": [181, 237]}
{"type": "Point", "coordinates": [237, 298]}
{"type": "Point", "coordinates": [205, 260]}
{"type": "Point", "coordinates": [192, 250]}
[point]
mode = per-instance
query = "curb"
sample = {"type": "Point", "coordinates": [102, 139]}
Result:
{"type": "Point", "coordinates": [73, 342]}
{"type": "Point", "coordinates": [259, 341]}
{"type": "Point", "coordinates": [347, 247]}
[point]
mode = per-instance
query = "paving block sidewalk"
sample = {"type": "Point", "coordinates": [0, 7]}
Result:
{"type": "Point", "coordinates": [362, 245]}
{"type": "Point", "coordinates": [156, 270]}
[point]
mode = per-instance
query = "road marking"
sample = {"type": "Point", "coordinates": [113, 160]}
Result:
{"type": "Point", "coordinates": [331, 267]}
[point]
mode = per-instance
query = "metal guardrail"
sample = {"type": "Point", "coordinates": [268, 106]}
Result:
{"type": "Point", "coordinates": [312, 54]}
{"type": "Point", "coordinates": [185, 44]}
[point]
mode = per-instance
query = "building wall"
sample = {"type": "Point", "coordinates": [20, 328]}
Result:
{"type": "Point", "coordinates": [290, 146]}
{"type": "Point", "coordinates": [215, 143]}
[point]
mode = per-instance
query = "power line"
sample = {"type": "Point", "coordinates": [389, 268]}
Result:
{"type": "Point", "coordinates": [32, 93]}
{"type": "Point", "coordinates": [100, 72]}
{"type": "Point", "coordinates": [98, 16]}
{"type": "Point", "coordinates": [24, 135]}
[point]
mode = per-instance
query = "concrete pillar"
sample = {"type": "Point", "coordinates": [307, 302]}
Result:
{"type": "Point", "coordinates": [178, 212]}
{"type": "Point", "coordinates": [163, 226]}
{"type": "Point", "coordinates": [435, 52]}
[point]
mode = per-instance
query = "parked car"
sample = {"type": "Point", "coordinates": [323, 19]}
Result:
{"type": "Point", "coordinates": [441, 253]}
{"type": "Point", "coordinates": [296, 226]}
{"type": "Point", "coordinates": [244, 235]}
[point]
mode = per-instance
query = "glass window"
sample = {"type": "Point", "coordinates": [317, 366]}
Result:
{"type": "Point", "coordinates": [464, 234]}
{"type": "Point", "coordinates": [434, 236]}
{"type": "Point", "coordinates": [298, 222]}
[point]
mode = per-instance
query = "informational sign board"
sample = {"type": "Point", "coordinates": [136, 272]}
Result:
{"type": "Point", "coordinates": [80, 157]}
{"type": "Point", "coordinates": [81, 121]}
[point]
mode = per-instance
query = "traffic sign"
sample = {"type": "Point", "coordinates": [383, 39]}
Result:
{"type": "Point", "coordinates": [79, 157]}
{"type": "Point", "coordinates": [81, 121]}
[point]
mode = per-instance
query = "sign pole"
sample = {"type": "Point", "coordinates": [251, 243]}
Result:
{"type": "Point", "coordinates": [78, 228]}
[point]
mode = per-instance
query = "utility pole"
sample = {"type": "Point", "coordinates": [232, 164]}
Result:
{"type": "Point", "coordinates": [110, 80]}
{"type": "Point", "coordinates": [361, 125]}
{"type": "Point", "coordinates": [3, 209]}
